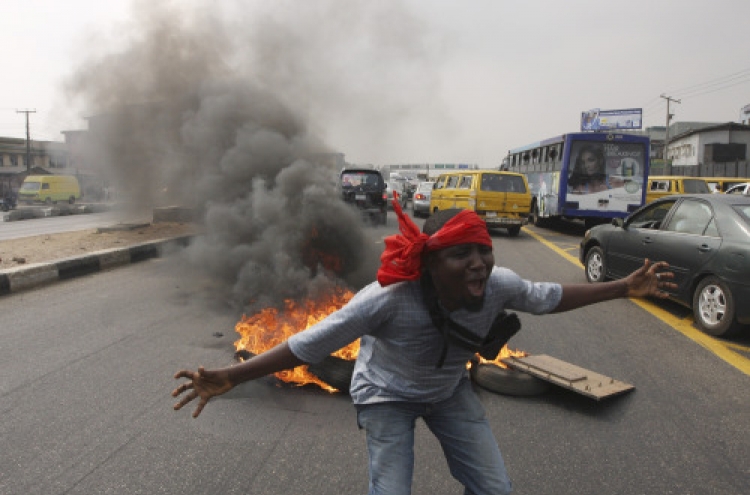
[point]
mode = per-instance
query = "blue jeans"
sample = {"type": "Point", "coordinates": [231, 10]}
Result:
{"type": "Point", "coordinates": [459, 423]}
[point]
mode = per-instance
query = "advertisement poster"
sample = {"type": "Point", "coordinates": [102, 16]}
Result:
{"type": "Point", "coordinates": [606, 176]}
{"type": "Point", "coordinates": [606, 120]}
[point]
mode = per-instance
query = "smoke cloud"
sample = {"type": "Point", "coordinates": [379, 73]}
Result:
{"type": "Point", "coordinates": [223, 107]}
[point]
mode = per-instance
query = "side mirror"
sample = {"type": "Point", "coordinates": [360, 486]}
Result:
{"type": "Point", "coordinates": [618, 222]}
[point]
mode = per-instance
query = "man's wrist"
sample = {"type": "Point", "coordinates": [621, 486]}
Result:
{"type": "Point", "coordinates": [625, 289]}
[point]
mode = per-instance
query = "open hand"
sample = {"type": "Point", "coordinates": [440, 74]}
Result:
{"type": "Point", "coordinates": [651, 280]}
{"type": "Point", "coordinates": [203, 384]}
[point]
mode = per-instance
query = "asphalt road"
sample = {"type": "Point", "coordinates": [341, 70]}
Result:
{"type": "Point", "coordinates": [68, 223]}
{"type": "Point", "coordinates": [88, 365]}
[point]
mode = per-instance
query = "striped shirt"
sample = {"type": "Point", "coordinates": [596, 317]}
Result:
{"type": "Point", "coordinates": [400, 347]}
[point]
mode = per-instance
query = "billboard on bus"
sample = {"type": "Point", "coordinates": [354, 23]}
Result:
{"type": "Point", "coordinates": [605, 120]}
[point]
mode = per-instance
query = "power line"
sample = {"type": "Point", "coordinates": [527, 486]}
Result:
{"type": "Point", "coordinates": [720, 80]}
{"type": "Point", "coordinates": [714, 90]}
{"type": "Point", "coordinates": [700, 89]}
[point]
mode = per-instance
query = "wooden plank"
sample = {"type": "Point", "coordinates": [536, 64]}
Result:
{"type": "Point", "coordinates": [570, 376]}
{"type": "Point", "coordinates": [550, 365]}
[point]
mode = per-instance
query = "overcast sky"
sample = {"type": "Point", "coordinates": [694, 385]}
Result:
{"type": "Point", "coordinates": [414, 81]}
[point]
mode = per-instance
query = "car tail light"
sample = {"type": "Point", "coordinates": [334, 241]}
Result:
{"type": "Point", "coordinates": [419, 196]}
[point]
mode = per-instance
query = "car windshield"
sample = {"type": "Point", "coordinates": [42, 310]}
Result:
{"type": "Point", "coordinates": [425, 186]}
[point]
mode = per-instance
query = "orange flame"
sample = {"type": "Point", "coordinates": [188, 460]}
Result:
{"type": "Point", "coordinates": [505, 352]}
{"type": "Point", "coordinates": [271, 326]}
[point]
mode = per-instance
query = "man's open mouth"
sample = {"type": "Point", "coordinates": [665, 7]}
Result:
{"type": "Point", "coordinates": [476, 287]}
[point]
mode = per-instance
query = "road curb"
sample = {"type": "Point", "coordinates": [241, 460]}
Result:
{"type": "Point", "coordinates": [22, 278]}
{"type": "Point", "coordinates": [54, 211]}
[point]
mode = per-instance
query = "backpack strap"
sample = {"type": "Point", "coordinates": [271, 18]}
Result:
{"type": "Point", "coordinates": [504, 326]}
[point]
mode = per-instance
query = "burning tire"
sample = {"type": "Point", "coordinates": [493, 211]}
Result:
{"type": "Point", "coordinates": [335, 371]}
{"type": "Point", "coordinates": [507, 381]}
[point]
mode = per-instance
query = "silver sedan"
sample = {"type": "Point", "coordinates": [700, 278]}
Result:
{"type": "Point", "coordinates": [420, 202]}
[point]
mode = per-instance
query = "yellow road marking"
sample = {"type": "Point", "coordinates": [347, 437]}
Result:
{"type": "Point", "coordinates": [684, 326]}
{"type": "Point", "coordinates": [739, 347]}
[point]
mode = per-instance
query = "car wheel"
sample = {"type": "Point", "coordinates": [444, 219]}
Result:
{"type": "Point", "coordinates": [514, 231]}
{"type": "Point", "coordinates": [596, 266]}
{"type": "Point", "coordinates": [714, 308]}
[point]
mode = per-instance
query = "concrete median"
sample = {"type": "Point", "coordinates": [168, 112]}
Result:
{"type": "Point", "coordinates": [27, 277]}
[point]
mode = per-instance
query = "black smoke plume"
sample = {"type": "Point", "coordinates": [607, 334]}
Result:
{"type": "Point", "coordinates": [223, 116]}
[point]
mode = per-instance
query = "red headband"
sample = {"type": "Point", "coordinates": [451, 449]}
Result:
{"type": "Point", "coordinates": [402, 258]}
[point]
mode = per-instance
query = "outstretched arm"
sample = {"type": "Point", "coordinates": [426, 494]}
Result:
{"type": "Point", "coordinates": [649, 280]}
{"type": "Point", "coordinates": [210, 383]}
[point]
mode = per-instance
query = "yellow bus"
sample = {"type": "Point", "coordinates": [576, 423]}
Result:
{"type": "Point", "coordinates": [665, 185]}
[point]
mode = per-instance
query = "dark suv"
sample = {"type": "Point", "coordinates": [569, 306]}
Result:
{"type": "Point", "coordinates": [365, 189]}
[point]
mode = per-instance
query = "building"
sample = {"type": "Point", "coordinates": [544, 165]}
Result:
{"type": "Point", "coordinates": [43, 157]}
{"type": "Point", "coordinates": [745, 115]}
{"type": "Point", "coordinates": [713, 151]}
{"type": "Point", "coordinates": [426, 171]}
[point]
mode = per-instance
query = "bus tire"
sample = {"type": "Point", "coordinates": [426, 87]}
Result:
{"type": "Point", "coordinates": [536, 219]}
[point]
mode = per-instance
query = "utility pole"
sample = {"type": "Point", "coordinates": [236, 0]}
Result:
{"type": "Point", "coordinates": [666, 135]}
{"type": "Point", "coordinates": [28, 138]}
